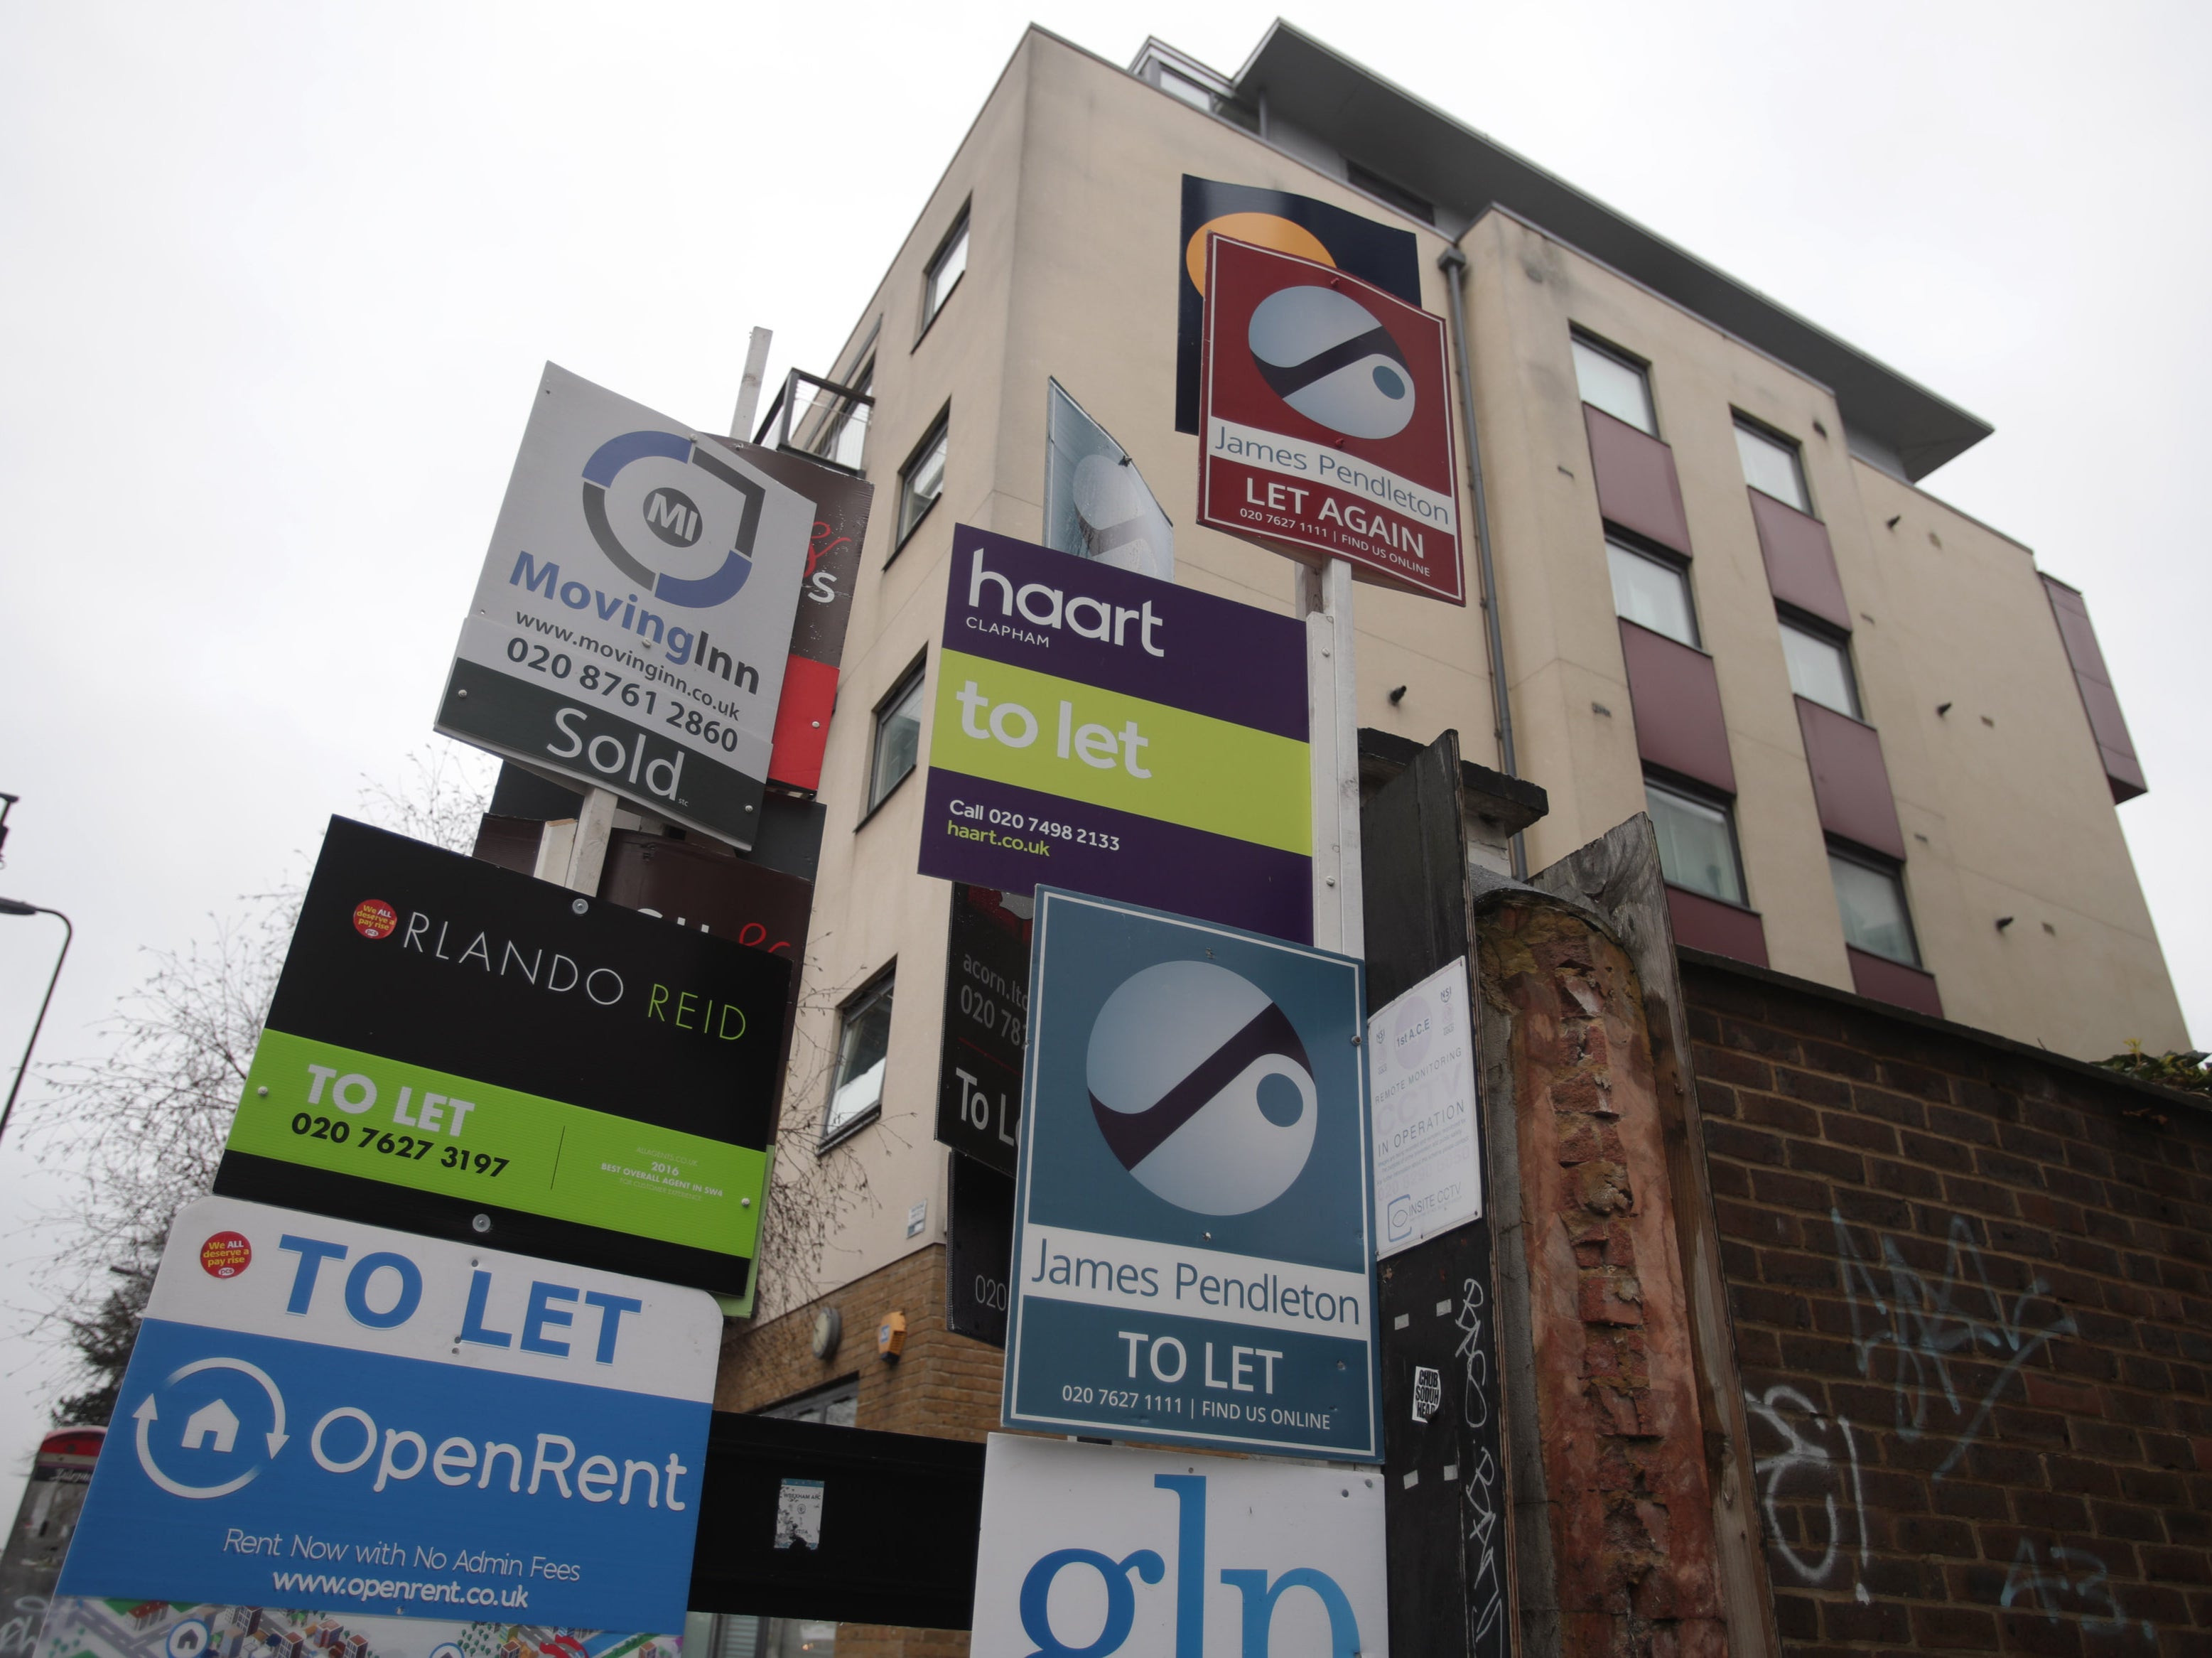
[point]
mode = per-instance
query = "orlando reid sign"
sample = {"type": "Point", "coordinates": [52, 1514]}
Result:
{"type": "Point", "coordinates": [465, 1052]}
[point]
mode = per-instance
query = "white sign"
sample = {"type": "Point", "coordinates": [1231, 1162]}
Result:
{"type": "Point", "coordinates": [1090, 1551]}
{"type": "Point", "coordinates": [631, 626]}
{"type": "Point", "coordinates": [1428, 1155]}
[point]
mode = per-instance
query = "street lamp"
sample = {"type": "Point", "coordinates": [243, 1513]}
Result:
{"type": "Point", "coordinates": [17, 907]}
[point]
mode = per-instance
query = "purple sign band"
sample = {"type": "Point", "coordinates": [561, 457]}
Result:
{"type": "Point", "coordinates": [1012, 602]}
{"type": "Point", "coordinates": [995, 835]}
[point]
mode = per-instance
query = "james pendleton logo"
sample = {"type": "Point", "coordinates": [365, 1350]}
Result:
{"type": "Point", "coordinates": [1326, 355]}
{"type": "Point", "coordinates": [1202, 1088]}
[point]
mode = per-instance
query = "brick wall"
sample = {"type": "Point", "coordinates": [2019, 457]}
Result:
{"type": "Point", "coordinates": [1620, 1440]}
{"type": "Point", "coordinates": [942, 1384]}
{"type": "Point", "coordinates": [1972, 1293]}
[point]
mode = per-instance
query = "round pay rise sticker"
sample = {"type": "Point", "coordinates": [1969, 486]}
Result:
{"type": "Point", "coordinates": [226, 1254]}
{"type": "Point", "coordinates": [374, 919]}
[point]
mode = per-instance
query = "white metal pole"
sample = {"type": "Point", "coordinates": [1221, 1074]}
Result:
{"type": "Point", "coordinates": [1324, 603]}
{"type": "Point", "coordinates": [749, 388]}
{"type": "Point", "coordinates": [587, 854]}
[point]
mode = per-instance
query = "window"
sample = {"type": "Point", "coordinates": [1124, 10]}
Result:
{"type": "Point", "coordinates": [838, 1404]}
{"type": "Point", "coordinates": [1820, 669]}
{"type": "Point", "coordinates": [1697, 843]}
{"type": "Point", "coordinates": [1769, 466]}
{"type": "Point", "coordinates": [1412, 206]}
{"type": "Point", "coordinates": [1651, 593]}
{"type": "Point", "coordinates": [1616, 384]}
{"type": "Point", "coordinates": [1871, 897]}
{"type": "Point", "coordinates": [921, 480]}
{"type": "Point", "coordinates": [864, 1041]}
{"type": "Point", "coordinates": [1189, 91]}
{"type": "Point", "coordinates": [944, 269]}
{"type": "Point", "coordinates": [898, 737]}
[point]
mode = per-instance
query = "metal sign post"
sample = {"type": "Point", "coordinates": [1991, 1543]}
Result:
{"type": "Point", "coordinates": [1324, 604]}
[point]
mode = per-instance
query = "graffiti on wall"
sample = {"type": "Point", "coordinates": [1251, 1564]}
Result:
{"type": "Point", "coordinates": [1485, 1582]}
{"type": "Point", "coordinates": [1929, 1323]}
{"type": "Point", "coordinates": [1937, 1330]}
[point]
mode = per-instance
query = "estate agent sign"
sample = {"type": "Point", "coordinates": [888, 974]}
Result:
{"type": "Point", "coordinates": [986, 1000]}
{"type": "Point", "coordinates": [1194, 1245]}
{"type": "Point", "coordinates": [1327, 429]}
{"type": "Point", "coordinates": [323, 1414]}
{"type": "Point", "coordinates": [1100, 730]}
{"type": "Point", "coordinates": [467, 1052]}
{"type": "Point", "coordinates": [1098, 1551]}
{"type": "Point", "coordinates": [634, 619]}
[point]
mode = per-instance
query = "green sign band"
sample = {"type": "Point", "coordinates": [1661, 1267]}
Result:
{"type": "Point", "coordinates": [351, 1112]}
{"type": "Point", "coordinates": [1061, 736]}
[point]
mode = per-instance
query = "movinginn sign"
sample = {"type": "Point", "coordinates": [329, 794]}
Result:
{"type": "Point", "coordinates": [633, 622]}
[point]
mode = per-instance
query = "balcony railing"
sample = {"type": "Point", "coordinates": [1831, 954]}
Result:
{"type": "Point", "coordinates": [819, 419]}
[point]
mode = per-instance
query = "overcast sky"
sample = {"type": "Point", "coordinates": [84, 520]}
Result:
{"type": "Point", "coordinates": [278, 281]}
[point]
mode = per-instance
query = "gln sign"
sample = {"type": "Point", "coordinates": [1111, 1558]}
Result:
{"type": "Point", "coordinates": [336, 1415]}
{"type": "Point", "coordinates": [1087, 1551]}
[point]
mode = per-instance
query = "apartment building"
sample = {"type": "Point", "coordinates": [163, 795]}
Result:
{"type": "Point", "coordinates": [1880, 746]}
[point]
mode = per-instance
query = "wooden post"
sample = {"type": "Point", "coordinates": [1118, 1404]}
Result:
{"type": "Point", "coordinates": [1617, 875]}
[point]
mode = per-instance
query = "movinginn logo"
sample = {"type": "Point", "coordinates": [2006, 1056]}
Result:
{"type": "Point", "coordinates": [673, 518]}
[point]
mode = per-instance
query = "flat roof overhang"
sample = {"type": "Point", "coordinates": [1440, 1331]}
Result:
{"type": "Point", "coordinates": [1370, 119]}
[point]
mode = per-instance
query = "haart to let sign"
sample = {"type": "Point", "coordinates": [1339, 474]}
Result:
{"type": "Point", "coordinates": [1328, 428]}
{"type": "Point", "coordinates": [1101, 730]}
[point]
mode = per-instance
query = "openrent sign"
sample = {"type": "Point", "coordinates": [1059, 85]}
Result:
{"type": "Point", "coordinates": [323, 1414]}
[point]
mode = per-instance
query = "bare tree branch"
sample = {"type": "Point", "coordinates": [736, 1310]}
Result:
{"type": "Point", "coordinates": [139, 1126]}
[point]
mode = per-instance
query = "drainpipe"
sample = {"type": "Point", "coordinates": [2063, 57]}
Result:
{"type": "Point", "coordinates": [1453, 264]}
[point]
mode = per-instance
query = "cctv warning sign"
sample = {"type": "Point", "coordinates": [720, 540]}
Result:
{"type": "Point", "coordinates": [1328, 422]}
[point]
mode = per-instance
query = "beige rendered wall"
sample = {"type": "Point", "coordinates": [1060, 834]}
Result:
{"type": "Point", "coordinates": [2003, 801]}
{"type": "Point", "coordinates": [2026, 826]}
{"type": "Point", "coordinates": [1072, 175]}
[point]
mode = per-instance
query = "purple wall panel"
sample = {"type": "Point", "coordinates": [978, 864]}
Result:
{"type": "Point", "coordinates": [1850, 783]}
{"type": "Point", "coordinates": [2122, 770]}
{"type": "Point", "coordinates": [1703, 923]}
{"type": "Point", "coordinates": [1637, 487]}
{"type": "Point", "coordinates": [1880, 980]}
{"type": "Point", "coordinates": [1678, 708]}
{"type": "Point", "coordinates": [1801, 566]}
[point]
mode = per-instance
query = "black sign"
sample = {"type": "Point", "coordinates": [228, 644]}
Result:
{"type": "Point", "coordinates": [891, 1527]}
{"type": "Point", "coordinates": [465, 1052]}
{"type": "Point", "coordinates": [979, 1250]}
{"type": "Point", "coordinates": [986, 1001]}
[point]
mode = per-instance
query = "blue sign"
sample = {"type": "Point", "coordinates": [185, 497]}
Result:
{"type": "Point", "coordinates": [1193, 1234]}
{"type": "Point", "coordinates": [323, 1414]}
